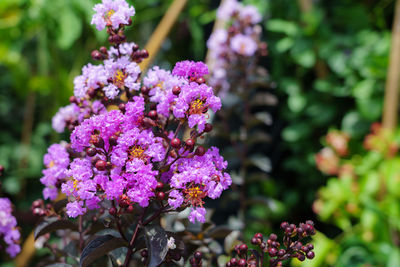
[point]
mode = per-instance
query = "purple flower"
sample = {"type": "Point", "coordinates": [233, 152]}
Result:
{"type": "Point", "coordinates": [197, 214]}
{"type": "Point", "coordinates": [137, 144]}
{"type": "Point", "coordinates": [74, 209]}
{"type": "Point", "coordinates": [134, 112]}
{"type": "Point", "coordinates": [8, 228]}
{"type": "Point", "coordinates": [124, 49]}
{"type": "Point", "coordinates": [193, 102]}
{"type": "Point", "coordinates": [123, 73]}
{"type": "Point", "coordinates": [244, 45]}
{"type": "Point", "coordinates": [56, 161]}
{"type": "Point", "coordinates": [112, 13]}
{"type": "Point", "coordinates": [250, 14]}
{"type": "Point", "coordinates": [194, 179]}
{"type": "Point", "coordinates": [161, 83]}
{"type": "Point", "coordinates": [228, 9]}
{"type": "Point", "coordinates": [99, 126]}
{"type": "Point", "coordinates": [190, 69]}
{"type": "Point", "coordinates": [175, 199]}
{"type": "Point", "coordinates": [93, 76]}
{"type": "Point", "coordinates": [65, 114]}
{"type": "Point", "coordinates": [217, 43]}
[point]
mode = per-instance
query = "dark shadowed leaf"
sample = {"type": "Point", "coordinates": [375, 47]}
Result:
{"type": "Point", "coordinates": [118, 255]}
{"type": "Point", "coordinates": [52, 224]}
{"type": "Point", "coordinates": [219, 232]}
{"type": "Point", "coordinates": [261, 161]}
{"type": "Point", "coordinates": [59, 265]}
{"type": "Point", "coordinates": [156, 241]}
{"type": "Point", "coordinates": [59, 205]}
{"type": "Point", "coordinates": [99, 247]}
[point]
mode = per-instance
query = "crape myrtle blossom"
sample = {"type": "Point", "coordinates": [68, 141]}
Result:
{"type": "Point", "coordinates": [74, 113]}
{"type": "Point", "coordinates": [125, 49]}
{"type": "Point", "coordinates": [190, 69]}
{"type": "Point", "coordinates": [125, 148]}
{"type": "Point", "coordinates": [93, 76]}
{"type": "Point", "coordinates": [161, 82]}
{"type": "Point", "coordinates": [56, 161]}
{"type": "Point", "coordinates": [193, 103]}
{"type": "Point", "coordinates": [196, 178]}
{"type": "Point", "coordinates": [121, 72]}
{"type": "Point", "coordinates": [8, 228]}
{"type": "Point", "coordinates": [112, 13]}
{"type": "Point", "coordinates": [69, 113]}
{"type": "Point", "coordinates": [235, 43]}
{"type": "Point", "coordinates": [243, 45]}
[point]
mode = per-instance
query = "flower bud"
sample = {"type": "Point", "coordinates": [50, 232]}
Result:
{"type": "Point", "coordinates": [208, 127]}
{"type": "Point", "coordinates": [175, 143]}
{"type": "Point", "coordinates": [310, 255]}
{"type": "Point", "coordinates": [152, 114]}
{"type": "Point", "coordinates": [91, 151]}
{"type": "Point", "coordinates": [190, 143]}
{"type": "Point", "coordinates": [96, 55]}
{"type": "Point", "coordinates": [176, 90]}
{"type": "Point", "coordinates": [101, 165]}
{"type": "Point", "coordinates": [160, 196]}
{"type": "Point", "coordinates": [200, 151]}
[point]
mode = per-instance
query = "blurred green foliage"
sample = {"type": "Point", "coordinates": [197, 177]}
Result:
{"type": "Point", "coordinates": [330, 71]}
{"type": "Point", "coordinates": [363, 202]}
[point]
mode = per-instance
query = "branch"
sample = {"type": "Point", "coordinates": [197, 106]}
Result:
{"type": "Point", "coordinates": [162, 31]}
{"type": "Point", "coordinates": [391, 101]}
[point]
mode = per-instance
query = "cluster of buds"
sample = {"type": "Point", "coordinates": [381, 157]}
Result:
{"type": "Point", "coordinates": [39, 208]}
{"type": "Point", "coordinates": [196, 260]}
{"type": "Point", "coordinates": [290, 247]}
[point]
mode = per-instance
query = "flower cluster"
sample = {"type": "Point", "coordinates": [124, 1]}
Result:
{"type": "Point", "coordinates": [8, 228]}
{"type": "Point", "coordinates": [134, 155]}
{"type": "Point", "coordinates": [56, 161]}
{"type": "Point", "coordinates": [290, 247]}
{"type": "Point", "coordinates": [237, 41]}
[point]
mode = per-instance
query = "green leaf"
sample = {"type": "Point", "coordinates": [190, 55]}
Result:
{"type": "Point", "coordinates": [70, 28]}
{"type": "Point", "coordinates": [284, 44]}
{"type": "Point", "coordinates": [394, 258]}
{"type": "Point", "coordinates": [364, 89]}
{"type": "Point", "coordinates": [305, 58]}
{"type": "Point", "coordinates": [296, 102]}
{"type": "Point", "coordinates": [283, 26]}
{"type": "Point", "coordinates": [12, 185]}
{"type": "Point", "coordinates": [156, 242]}
{"type": "Point", "coordinates": [353, 124]}
{"type": "Point", "coordinates": [370, 109]}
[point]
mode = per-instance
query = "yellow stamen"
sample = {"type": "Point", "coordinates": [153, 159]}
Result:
{"type": "Point", "coordinates": [75, 184]}
{"type": "Point", "coordinates": [194, 192]}
{"type": "Point", "coordinates": [137, 152]}
{"type": "Point", "coordinates": [197, 106]}
{"type": "Point", "coordinates": [109, 13]}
